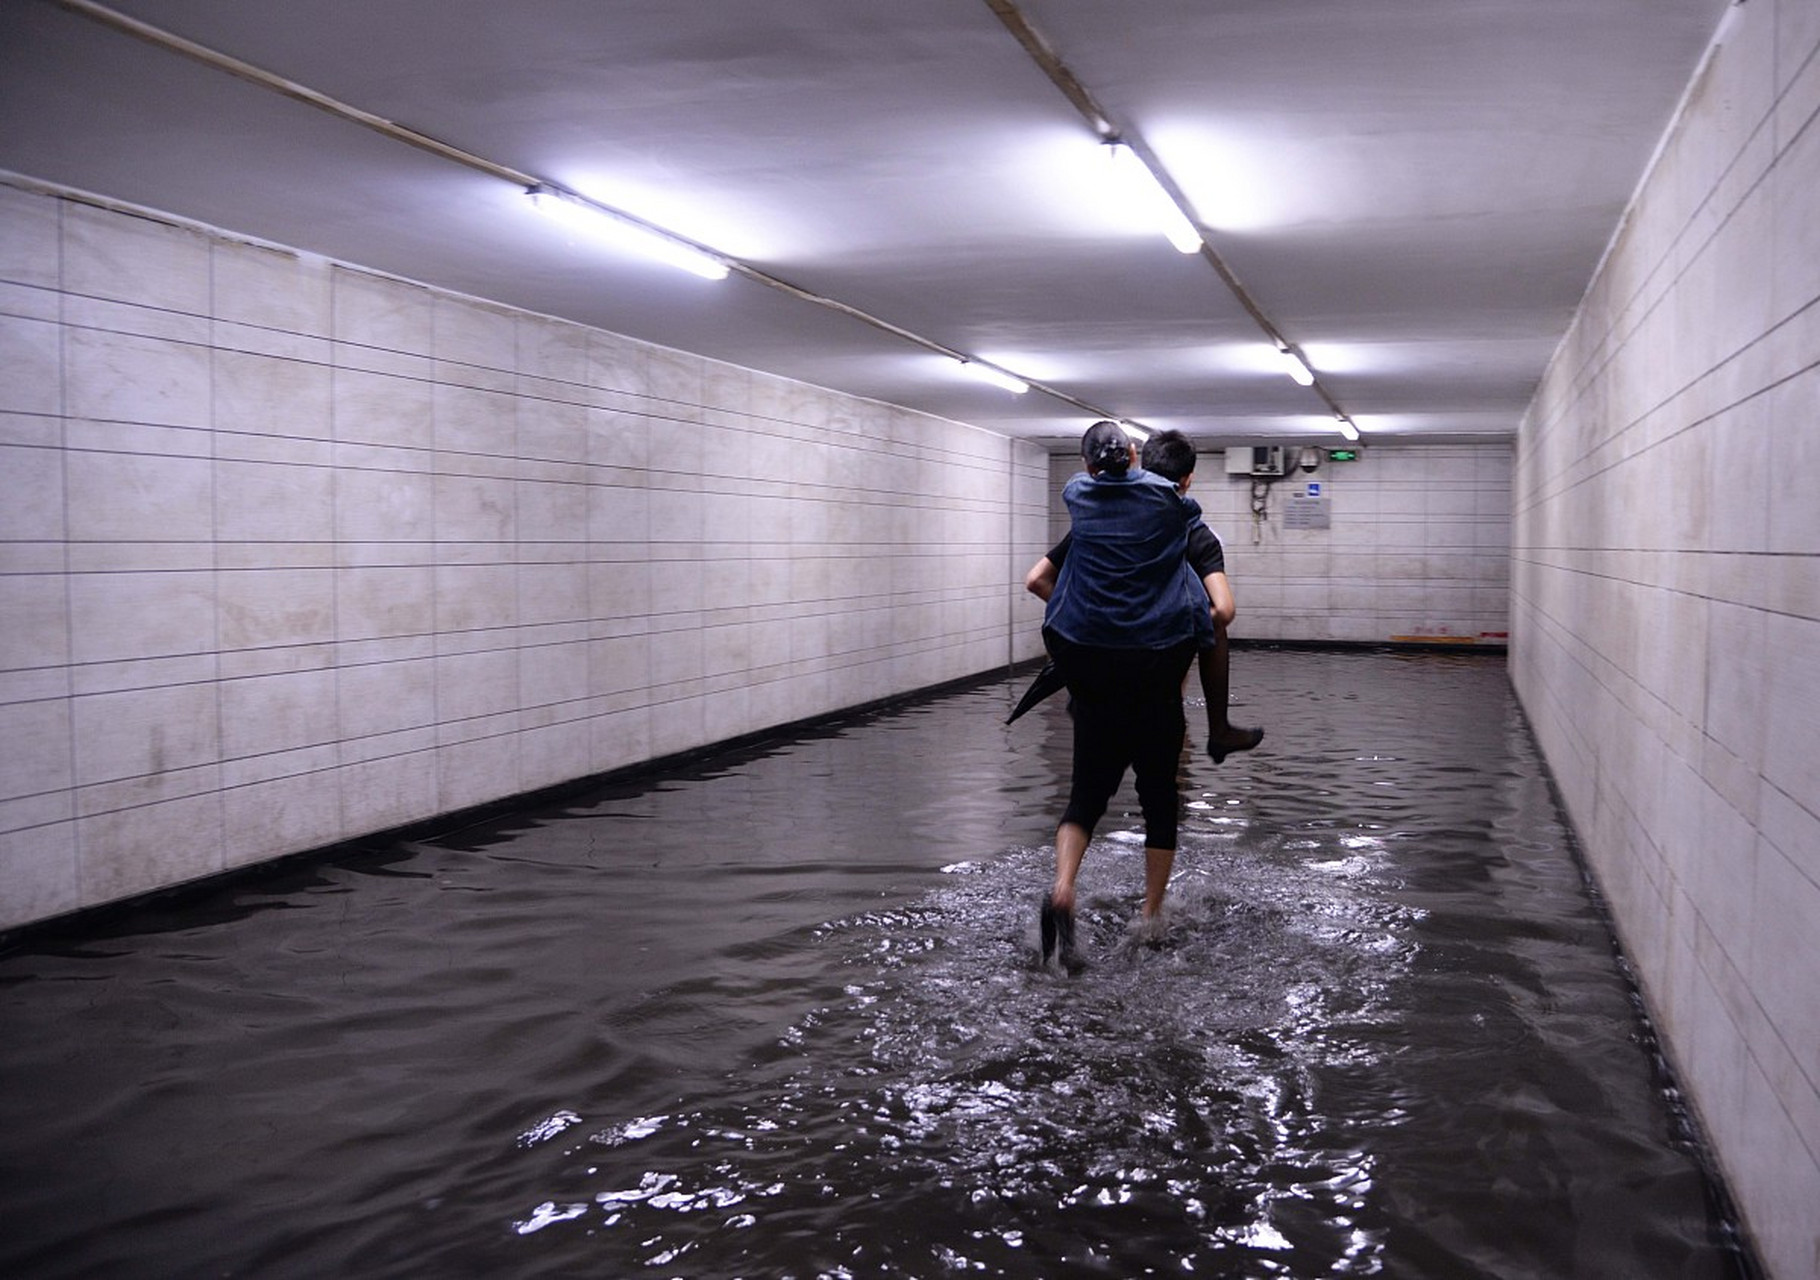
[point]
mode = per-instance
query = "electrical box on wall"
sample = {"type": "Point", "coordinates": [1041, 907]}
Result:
{"type": "Point", "coordinates": [1262, 460]}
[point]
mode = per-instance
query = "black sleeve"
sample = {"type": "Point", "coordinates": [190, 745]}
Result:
{"type": "Point", "coordinates": [1204, 550]}
{"type": "Point", "coordinates": [1059, 552]}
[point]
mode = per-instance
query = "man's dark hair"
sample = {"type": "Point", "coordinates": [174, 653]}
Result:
{"type": "Point", "coordinates": [1170, 454]}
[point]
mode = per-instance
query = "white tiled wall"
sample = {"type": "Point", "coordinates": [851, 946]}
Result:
{"type": "Point", "coordinates": [294, 552]}
{"type": "Point", "coordinates": [1417, 548]}
{"type": "Point", "coordinates": [1666, 605]}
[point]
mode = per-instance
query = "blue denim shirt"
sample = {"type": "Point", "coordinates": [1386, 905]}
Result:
{"type": "Point", "coordinates": [1126, 583]}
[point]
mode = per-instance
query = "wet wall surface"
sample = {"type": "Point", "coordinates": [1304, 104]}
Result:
{"type": "Point", "coordinates": [778, 1013]}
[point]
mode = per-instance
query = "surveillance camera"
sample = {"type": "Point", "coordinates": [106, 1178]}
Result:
{"type": "Point", "coordinates": [1309, 459]}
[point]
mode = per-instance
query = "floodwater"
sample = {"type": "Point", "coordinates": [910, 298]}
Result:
{"type": "Point", "coordinates": [777, 1014]}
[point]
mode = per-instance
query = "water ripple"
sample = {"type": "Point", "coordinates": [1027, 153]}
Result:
{"type": "Point", "coordinates": [779, 1014]}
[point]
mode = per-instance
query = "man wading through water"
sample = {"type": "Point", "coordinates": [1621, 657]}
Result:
{"type": "Point", "coordinates": [1124, 619]}
{"type": "Point", "coordinates": [1170, 454]}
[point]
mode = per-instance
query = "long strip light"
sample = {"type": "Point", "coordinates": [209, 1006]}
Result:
{"type": "Point", "coordinates": [602, 224]}
{"type": "Point", "coordinates": [553, 200]}
{"type": "Point", "coordinates": [1296, 367]}
{"type": "Point", "coordinates": [995, 377]}
{"type": "Point", "coordinates": [1106, 127]}
{"type": "Point", "coordinates": [1347, 429]}
{"type": "Point", "coordinates": [1145, 192]}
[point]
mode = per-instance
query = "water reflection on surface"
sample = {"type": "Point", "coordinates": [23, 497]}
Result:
{"type": "Point", "coordinates": [778, 1015]}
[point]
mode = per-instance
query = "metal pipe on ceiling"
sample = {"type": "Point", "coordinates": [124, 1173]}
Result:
{"type": "Point", "coordinates": [259, 76]}
{"type": "Point", "coordinates": [1107, 127]}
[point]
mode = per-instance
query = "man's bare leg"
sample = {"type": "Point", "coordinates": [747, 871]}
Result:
{"type": "Point", "coordinates": [1216, 686]}
{"type": "Point", "coordinates": [1058, 904]}
{"type": "Point", "coordinates": [1070, 849]}
{"type": "Point", "coordinates": [1157, 865]}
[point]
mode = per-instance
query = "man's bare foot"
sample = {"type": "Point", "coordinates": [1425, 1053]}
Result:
{"type": "Point", "coordinates": [1058, 934]}
{"type": "Point", "coordinates": [1226, 740]}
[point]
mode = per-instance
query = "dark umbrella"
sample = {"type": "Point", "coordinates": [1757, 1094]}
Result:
{"type": "Point", "coordinates": [1047, 681]}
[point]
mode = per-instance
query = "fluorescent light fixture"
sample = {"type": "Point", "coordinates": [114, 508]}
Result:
{"type": "Point", "coordinates": [1149, 200]}
{"type": "Point", "coordinates": [1346, 428]}
{"type": "Point", "coordinates": [996, 377]}
{"type": "Point", "coordinates": [1132, 429]}
{"type": "Point", "coordinates": [602, 224]}
{"type": "Point", "coordinates": [1296, 367]}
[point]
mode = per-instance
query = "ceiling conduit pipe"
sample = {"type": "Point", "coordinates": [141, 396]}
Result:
{"type": "Point", "coordinates": [264, 79]}
{"type": "Point", "coordinates": [1101, 122]}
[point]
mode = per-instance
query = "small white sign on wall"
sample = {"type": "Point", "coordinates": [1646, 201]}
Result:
{"type": "Point", "coordinates": [1301, 511]}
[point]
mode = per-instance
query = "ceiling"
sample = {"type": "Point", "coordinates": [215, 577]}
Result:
{"type": "Point", "coordinates": [1414, 193]}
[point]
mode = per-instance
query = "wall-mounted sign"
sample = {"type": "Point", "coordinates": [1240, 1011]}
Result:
{"type": "Point", "coordinates": [1303, 512]}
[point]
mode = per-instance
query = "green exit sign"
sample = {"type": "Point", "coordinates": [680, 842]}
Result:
{"type": "Point", "coordinates": [1343, 455]}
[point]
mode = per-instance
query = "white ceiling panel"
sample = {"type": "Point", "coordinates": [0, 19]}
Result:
{"type": "Point", "coordinates": [1415, 193]}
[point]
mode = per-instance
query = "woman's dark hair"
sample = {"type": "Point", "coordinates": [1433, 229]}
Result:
{"type": "Point", "coordinates": [1106, 447]}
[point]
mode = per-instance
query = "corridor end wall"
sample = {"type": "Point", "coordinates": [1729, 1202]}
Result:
{"type": "Point", "coordinates": [1411, 544]}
